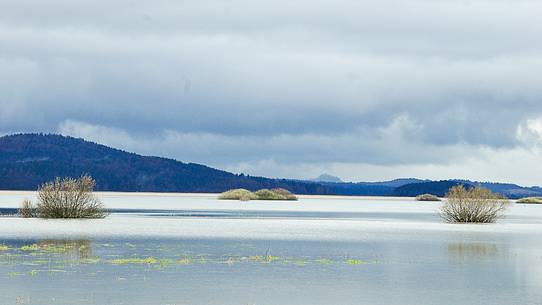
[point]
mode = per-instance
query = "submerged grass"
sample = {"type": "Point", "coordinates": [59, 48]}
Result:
{"type": "Point", "coordinates": [354, 262]}
{"type": "Point", "coordinates": [57, 257]}
{"type": "Point", "coordinates": [135, 261]}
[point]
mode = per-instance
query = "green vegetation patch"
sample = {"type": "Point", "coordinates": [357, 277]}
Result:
{"type": "Point", "coordinates": [427, 197]}
{"type": "Point", "coordinates": [263, 194]}
{"type": "Point", "coordinates": [354, 262]}
{"type": "Point", "coordinates": [135, 261]}
{"type": "Point", "coordinates": [238, 194]}
{"type": "Point", "coordinates": [530, 200]}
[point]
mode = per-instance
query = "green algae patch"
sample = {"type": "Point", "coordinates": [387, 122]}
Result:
{"type": "Point", "coordinates": [164, 263]}
{"type": "Point", "coordinates": [256, 258]}
{"type": "Point", "coordinates": [296, 262]}
{"type": "Point", "coordinates": [324, 261]}
{"type": "Point", "coordinates": [4, 247]}
{"type": "Point", "coordinates": [90, 261]}
{"type": "Point", "coordinates": [33, 272]}
{"type": "Point", "coordinates": [230, 261]}
{"type": "Point", "coordinates": [185, 261]}
{"type": "Point", "coordinates": [354, 262]}
{"type": "Point", "coordinates": [135, 261]}
{"type": "Point", "coordinates": [32, 247]}
{"type": "Point", "coordinates": [263, 259]}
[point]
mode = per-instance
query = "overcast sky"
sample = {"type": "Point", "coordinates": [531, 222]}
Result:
{"type": "Point", "coordinates": [365, 90]}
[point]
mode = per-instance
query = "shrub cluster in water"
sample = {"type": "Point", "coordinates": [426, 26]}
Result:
{"type": "Point", "coordinates": [427, 197]}
{"type": "Point", "coordinates": [530, 200]}
{"type": "Point", "coordinates": [65, 198]}
{"type": "Point", "coordinates": [478, 205]}
{"type": "Point", "coordinates": [263, 194]}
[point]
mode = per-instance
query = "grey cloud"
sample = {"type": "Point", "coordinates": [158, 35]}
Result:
{"type": "Point", "coordinates": [386, 83]}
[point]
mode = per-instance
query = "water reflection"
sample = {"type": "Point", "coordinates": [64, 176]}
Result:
{"type": "Point", "coordinates": [39, 252]}
{"type": "Point", "coordinates": [461, 251]}
{"type": "Point", "coordinates": [232, 272]}
{"type": "Point", "coordinates": [80, 248]}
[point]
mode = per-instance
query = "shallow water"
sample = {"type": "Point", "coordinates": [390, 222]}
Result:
{"type": "Point", "coordinates": [194, 249]}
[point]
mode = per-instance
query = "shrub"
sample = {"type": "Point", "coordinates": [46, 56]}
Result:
{"type": "Point", "coordinates": [427, 197]}
{"type": "Point", "coordinates": [530, 200]}
{"type": "Point", "coordinates": [285, 193]}
{"type": "Point", "coordinates": [263, 194]}
{"type": "Point", "coordinates": [238, 194]}
{"type": "Point", "coordinates": [69, 198]}
{"type": "Point", "coordinates": [478, 205]}
{"type": "Point", "coordinates": [27, 209]}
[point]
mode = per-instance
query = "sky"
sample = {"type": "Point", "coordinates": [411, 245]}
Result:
{"type": "Point", "coordinates": [364, 90]}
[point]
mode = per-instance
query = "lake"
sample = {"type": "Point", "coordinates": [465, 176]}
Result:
{"type": "Point", "coordinates": [172, 249]}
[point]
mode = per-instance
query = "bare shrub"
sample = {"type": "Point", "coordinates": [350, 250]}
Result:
{"type": "Point", "coordinates": [478, 205]}
{"type": "Point", "coordinates": [427, 197]}
{"type": "Point", "coordinates": [27, 209]}
{"type": "Point", "coordinates": [69, 198]}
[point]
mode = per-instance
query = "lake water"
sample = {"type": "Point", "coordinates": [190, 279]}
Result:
{"type": "Point", "coordinates": [159, 249]}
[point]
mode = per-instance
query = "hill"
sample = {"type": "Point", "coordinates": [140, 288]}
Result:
{"type": "Point", "coordinates": [509, 190]}
{"type": "Point", "coordinates": [327, 178]}
{"type": "Point", "coordinates": [28, 160]}
{"type": "Point", "coordinates": [437, 188]}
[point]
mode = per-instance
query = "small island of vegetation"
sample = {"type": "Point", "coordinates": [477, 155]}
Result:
{"type": "Point", "coordinates": [65, 198]}
{"type": "Point", "coordinates": [263, 194]}
{"type": "Point", "coordinates": [530, 200]}
{"type": "Point", "coordinates": [427, 197]}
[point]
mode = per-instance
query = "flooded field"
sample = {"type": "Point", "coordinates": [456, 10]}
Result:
{"type": "Point", "coordinates": [194, 249]}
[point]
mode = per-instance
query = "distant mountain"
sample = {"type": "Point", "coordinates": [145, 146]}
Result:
{"type": "Point", "coordinates": [395, 182]}
{"type": "Point", "coordinates": [381, 188]}
{"type": "Point", "coordinates": [327, 178]}
{"type": "Point", "coordinates": [437, 188]}
{"type": "Point", "coordinates": [28, 160]}
{"type": "Point", "coordinates": [507, 189]}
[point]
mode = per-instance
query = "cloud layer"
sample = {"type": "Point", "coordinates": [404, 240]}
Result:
{"type": "Point", "coordinates": [363, 89]}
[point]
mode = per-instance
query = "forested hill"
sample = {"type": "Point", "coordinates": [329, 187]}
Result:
{"type": "Point", "coordinates": [28, 160]}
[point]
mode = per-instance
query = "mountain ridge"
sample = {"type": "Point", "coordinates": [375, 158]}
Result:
{"type": "Point", "coordinates": [28, 160]}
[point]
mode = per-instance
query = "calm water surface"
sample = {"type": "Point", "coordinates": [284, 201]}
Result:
{"type": "Point", "coordinates": [164, 249]}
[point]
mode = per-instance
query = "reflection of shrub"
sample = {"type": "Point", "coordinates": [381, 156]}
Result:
{"type": "Point", "coordinates": [263, 194]}
{"type": "Point", "coordinates": [478, 205]}
{"type": "Point", "coordinates": [238, 194]}
{"type": "Point", "coordinates": [530, 200]}
{"type": "Point", "coordinates": [76, 248]}
{"type": "Point", "coordinates": [66, 198]}
{"type": "Point", "coordinates": [427, 197]}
